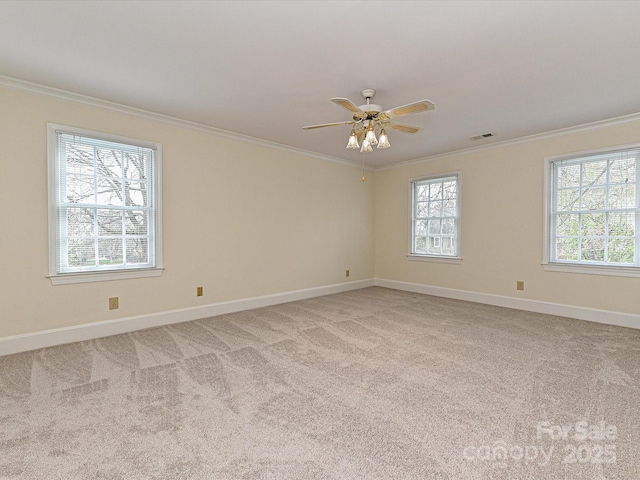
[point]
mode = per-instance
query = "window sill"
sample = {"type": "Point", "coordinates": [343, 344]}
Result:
{"type": "Point", "coordinates": [86, 277]}
{"type": "Point", "coordinates": [592, 269]}
{"type": "Point", "coordinates": [433, 258]}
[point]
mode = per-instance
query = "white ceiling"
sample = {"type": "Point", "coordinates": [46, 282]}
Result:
{"type": "Point", "coordinates": [266, 68]}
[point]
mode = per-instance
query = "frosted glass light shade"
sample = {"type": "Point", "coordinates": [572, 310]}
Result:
{"type": "Point", "coordinates": [371, 135]}
{"type": "Point", "coordinates": [383, 141]}
{"type": "Point", "coordinates": [353, 140]}
{"type": "Point", "coordinates": [366, 146]}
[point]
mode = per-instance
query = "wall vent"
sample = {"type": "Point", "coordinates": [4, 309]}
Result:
{"type": "Point", "coordinates": [480, 137]}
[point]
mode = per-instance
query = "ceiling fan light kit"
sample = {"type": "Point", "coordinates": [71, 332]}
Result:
{"type": "Point", "coordinates": [370, 119]}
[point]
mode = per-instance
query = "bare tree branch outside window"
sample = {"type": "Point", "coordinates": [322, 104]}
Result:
{"type": "Point", "coordinates": [106, 201]}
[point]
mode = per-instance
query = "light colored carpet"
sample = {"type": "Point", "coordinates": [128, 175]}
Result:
{"type": "Point", "coordinates": [369, 384]}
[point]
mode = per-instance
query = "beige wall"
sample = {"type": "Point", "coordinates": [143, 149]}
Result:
{"type": "Point", "coordinates": [239, 219]}
{"type": "Point", "coordinates": [245, 220]}
{"type": "Point", "coordinates": [502, 225]}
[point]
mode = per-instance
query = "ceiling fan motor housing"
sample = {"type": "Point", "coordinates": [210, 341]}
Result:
{"type": "Point", "coordinates": [370, 109]}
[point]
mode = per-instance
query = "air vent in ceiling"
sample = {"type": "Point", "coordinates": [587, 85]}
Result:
{"type": "Point", "coordinates": [480, 137]}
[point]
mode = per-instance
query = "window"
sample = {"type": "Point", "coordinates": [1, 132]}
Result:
{"type": "Point", "coordinates": [104, 206]}
{"type": "Point", "coordinates": [593, 214]}
{"type": "Point", "coordinates": [435, 215]}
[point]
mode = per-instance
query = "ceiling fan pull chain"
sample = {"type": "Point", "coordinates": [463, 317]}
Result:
{"type": "Point", "coordinates": [363, 177]}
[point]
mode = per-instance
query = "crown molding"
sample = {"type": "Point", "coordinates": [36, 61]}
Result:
{"type": "Point", "coordinates": [516, 141]}
{"type": "Point", "coordinates": [23, 85]}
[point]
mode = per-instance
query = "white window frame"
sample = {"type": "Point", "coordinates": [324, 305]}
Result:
{"type": "Point", "coordinates": [457, 258]}
{"type": "Point", "coordinates": [552, 265]}
{"type": "Point", "coordinates": [94, 275]}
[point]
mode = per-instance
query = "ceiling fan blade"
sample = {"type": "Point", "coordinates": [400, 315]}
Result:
{"type": "Point", "coordinates": [351, 122]}
{"type": "Point", "coordinates": [415, 107]}
{"type": "Point", "coordinates": [404, 128]}
{"type": "Point", "coordinates": [348, 104]}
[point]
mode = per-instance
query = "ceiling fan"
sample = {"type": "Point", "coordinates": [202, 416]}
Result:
{"type": "Point", "coordinates": [370, 119]}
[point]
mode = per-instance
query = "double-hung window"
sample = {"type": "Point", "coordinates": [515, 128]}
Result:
{"type": "Point", "coordinates": [435, 217]}
{"type": "Point", "coordinates": [104, 206]}
{"type": "Point", "coordinates": [593, 215]}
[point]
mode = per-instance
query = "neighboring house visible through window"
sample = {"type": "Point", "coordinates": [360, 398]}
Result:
{"type": "Point", "coordinates": [104, 206]}
{"type": "Point", "coordinates": [593, 218]}
{"type": "Point", "coordinates": [435, 217]}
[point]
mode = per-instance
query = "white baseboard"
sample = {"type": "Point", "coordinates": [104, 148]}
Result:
{"type": "Point", "coordinates": [79, 333]}
{"type": "Point", "coordinates": [571, 311]}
